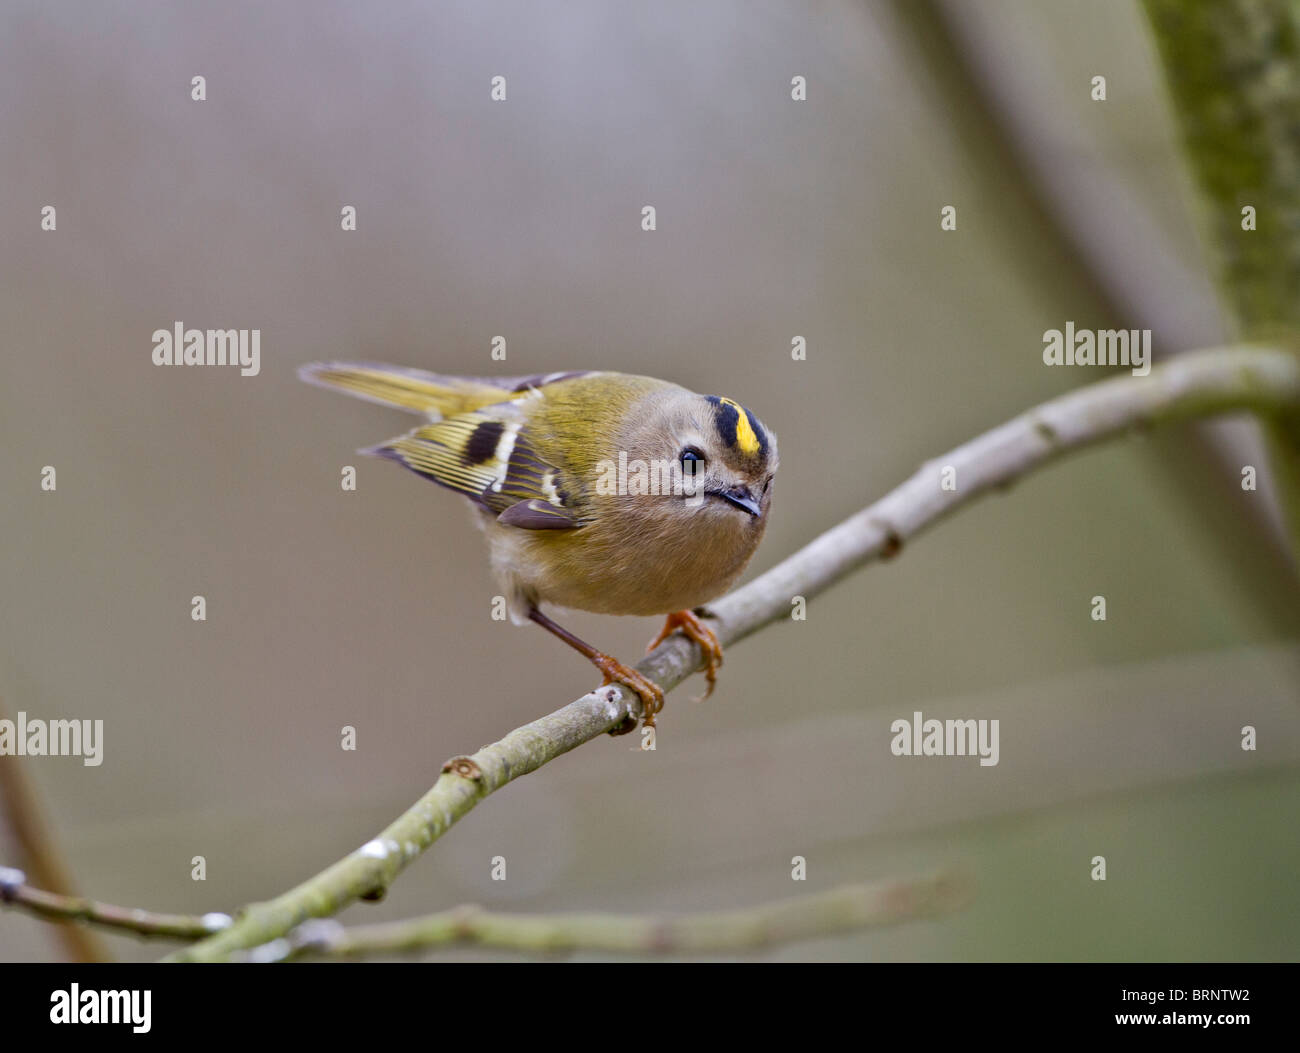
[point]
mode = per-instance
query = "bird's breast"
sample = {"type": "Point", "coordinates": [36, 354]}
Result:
{"type": "Point", "coordinates": [634, 559]}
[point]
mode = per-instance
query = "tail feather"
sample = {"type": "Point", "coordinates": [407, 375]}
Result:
{"type": "Point", "coordinates": [414, 390]}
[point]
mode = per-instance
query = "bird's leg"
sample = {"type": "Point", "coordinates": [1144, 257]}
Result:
{"type": "Point", "coordinates": [688, 622]}
{"type": "Point", "coordinates": [652, 698]}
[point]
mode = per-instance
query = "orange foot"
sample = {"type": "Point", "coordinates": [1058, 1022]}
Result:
{"type": "Point", "coordinates": [691, 627]}
{"type": "Point", "coordinates": [652, 697]}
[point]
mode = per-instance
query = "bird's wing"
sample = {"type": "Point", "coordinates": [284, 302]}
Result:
{"type": "Point", "coordinates": [488, 455]}
{"type": "Point", "coordinates": [434, 394]}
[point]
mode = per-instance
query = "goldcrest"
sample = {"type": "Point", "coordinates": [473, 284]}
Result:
{"type": "Point", "coordinates": [597, 491]}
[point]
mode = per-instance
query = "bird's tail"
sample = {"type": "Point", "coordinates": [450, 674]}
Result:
{"type": "Point", "coordinates": [432, 394]}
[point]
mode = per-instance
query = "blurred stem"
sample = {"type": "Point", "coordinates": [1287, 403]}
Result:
{"type": "Point", "coordinates": [1233, 71]}
{"type": "Point", "coordinates": [819, 915]}
{"type": "Point", "coordinates": [41, 854]}
{"type": "Point", "coordinates": [1195, 384]}
{"type": "Point", "coordinates": [1042, 248]}
{"type": "Point", "coordinates": [15, 891]}
{"type": "Point", "coordinates": [1057, 263]}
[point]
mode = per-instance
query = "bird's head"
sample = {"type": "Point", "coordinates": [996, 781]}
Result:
{"type": "Point", "coordinates": [725, 455]}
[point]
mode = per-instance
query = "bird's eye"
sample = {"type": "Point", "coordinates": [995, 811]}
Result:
{"type": "Point", "coordinates": [693, 457]}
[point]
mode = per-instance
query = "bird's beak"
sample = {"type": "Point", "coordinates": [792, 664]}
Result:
{"type": "Point", "coordinates": [741, 498]}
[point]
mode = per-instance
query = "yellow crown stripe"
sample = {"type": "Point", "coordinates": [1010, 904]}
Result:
{"type": "Point", "coordinates": [746, 437]}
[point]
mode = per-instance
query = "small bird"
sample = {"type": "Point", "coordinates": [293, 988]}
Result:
{"type": "Point", "coordinates": [598, 491]}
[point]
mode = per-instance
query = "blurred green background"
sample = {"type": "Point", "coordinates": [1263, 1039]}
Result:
{"type": "Point", "coordinates": [522, 218]}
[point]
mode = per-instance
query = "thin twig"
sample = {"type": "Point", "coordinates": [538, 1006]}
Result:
{"type": "Point", "coordinates": [15, 891]}
{"type": "Point", "coordinates": [838, 910]}
{"type": "Point", "coordinates": [1264, 381]}
{"type": "Point", "coordinates": [831, 913]}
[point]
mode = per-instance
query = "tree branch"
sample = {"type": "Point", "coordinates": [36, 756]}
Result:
{"type": "Point", "coordinates": [1231, 71]}
{"type": "Point", "coordinates": [1264, 381]}
{"type": "Point", "coordinates": [784, 921]}
{"type": "Point", "coordinates": [829, 913]}
{"type": "Point", "coordinates": [14, 891]}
